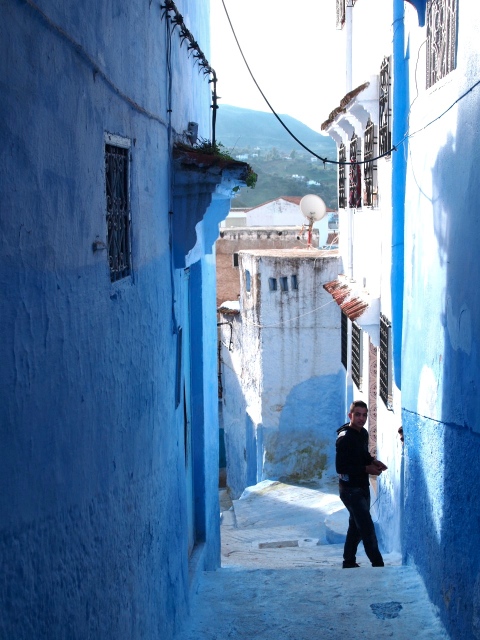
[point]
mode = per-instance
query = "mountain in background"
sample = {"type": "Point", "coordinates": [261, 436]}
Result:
{"type": "Point", "coordinates": [284, 168]}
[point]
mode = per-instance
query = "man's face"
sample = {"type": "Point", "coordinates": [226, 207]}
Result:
{"type": "Point", "coordinates": [358, 417]}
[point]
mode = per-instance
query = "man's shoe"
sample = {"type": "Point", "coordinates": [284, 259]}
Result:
{"type": "Point", "coordinates": [378, 564]}
{"type": "Point", "coordinates": [349, 565]}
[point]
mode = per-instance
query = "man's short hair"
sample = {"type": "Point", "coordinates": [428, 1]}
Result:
{"type": "Point", "coordinates": [358, 403]}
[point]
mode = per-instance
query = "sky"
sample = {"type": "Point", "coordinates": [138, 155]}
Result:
{"type": "Point", "coordinates": [293, 50]}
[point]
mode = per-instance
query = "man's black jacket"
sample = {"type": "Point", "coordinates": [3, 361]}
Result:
{"type": "Point", "coordinates": [352, 456]}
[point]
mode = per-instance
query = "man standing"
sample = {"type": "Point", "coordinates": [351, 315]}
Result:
{"type": "Point", "coordinates": [354, 464]}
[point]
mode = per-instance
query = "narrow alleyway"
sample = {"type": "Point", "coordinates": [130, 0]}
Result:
{"type": "Point", "coordinates": [281, 576]}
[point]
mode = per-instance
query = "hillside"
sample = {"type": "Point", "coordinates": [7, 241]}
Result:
{"type": "Point", "coordinates": [282, 165]}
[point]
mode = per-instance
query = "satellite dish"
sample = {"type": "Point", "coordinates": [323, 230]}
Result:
{"type": "Point", "coordinates": [313, 208]}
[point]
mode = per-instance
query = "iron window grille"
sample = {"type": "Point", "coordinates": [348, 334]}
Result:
{"type": "Point", "coordinates": [441, 39]}
{"type": "Point", "coordinates": [384, 129]}
{"type": "Point", "coordinates": [344, 340]}
{"type": "Point", "coordinates": [342, 157]}
{"type": "Point", "coordinates": [118, 211]}
{"type": "Point", "coordinates": [355, 191]}
{"type": "Point", "coordinates": [369, 167]}
{"type": "Point", "coordinates": [357, 355]}
{"type": "Point", "coordinates": [340, 14]}
{"type": "Point", "coordinates": [385, 361]}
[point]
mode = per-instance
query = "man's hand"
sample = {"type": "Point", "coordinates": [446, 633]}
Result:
{"type": "Point", "coordinates": [373, 470]}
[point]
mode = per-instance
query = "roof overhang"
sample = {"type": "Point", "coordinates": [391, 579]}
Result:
{"type": "Point", "coordinates": [355, 303]}
{"type": "Point", "coordinates": [354, 111]}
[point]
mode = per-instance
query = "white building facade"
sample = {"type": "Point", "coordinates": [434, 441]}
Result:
{"type": "Point", "coordinates": [283, 383]}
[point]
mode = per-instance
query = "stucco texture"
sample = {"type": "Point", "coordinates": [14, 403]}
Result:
{"type": "Point", "coordinates": [93, 517]}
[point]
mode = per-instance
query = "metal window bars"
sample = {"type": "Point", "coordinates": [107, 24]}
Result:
{"type": "Point", "coordinates": [441, 39]}
{"type": "Point", "coordinates": [342, 157]}
{"type": "Point", "coordinates": [357, 355]}
{"type": "Point", "coordinates": [344, 340]}
{"type": "Point", "coordinates": [384, 129]}
{"type": "Point", "coordinates": [355, 190]}
{"type": "Point", "coordinates": [385, 362]}
{"type": "Point", "coordinates": [118, 211]}
{"type": "Point", "coordinates": [369, 170]}
{"type": "Point", "coordinates": [340, 14]}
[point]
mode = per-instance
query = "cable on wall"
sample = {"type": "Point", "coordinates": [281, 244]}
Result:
{"type": "Point", "coordinates": [175, 18]}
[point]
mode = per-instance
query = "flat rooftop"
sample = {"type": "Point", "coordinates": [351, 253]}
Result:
{"type": "Point", "coordinates": [306, 254]}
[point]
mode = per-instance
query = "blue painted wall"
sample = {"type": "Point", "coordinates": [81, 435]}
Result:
{"type": "Point", "coordinates": [93, 524]}
{"type": "Point", "coordinates": [441, 354]}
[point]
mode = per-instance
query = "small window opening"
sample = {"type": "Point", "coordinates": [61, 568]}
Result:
{"type": "Point", "coordinates": [272, 283]}
{"type": "Point", "coordinates": [284, 283]}
{"type": "Point", "coordinates": [294, 282]}
{"type": "Point", "coordinates": [235, 259]}
{"type": "Point", "coordinates": [247, 280]}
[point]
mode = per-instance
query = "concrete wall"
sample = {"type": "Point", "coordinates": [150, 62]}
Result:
{"type": "Point", "coordinates": [283, 388]}
{"type": "Point", "coordinates": [276, 213]}
{"type": "Point", "coordinates": [440, 343]}
{"type": "Point", "coordinates": [93, 507]}
{"type": "Point", "coordinates": [234, 240]}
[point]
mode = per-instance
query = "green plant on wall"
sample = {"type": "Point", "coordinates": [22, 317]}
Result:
{"type": "Point", "coordinates": [206, 147]}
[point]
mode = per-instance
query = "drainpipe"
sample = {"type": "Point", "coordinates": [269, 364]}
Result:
{"type": "Point", "coordinates": [348, 47]}
{"type": "Point", "coordinates": [348, 88]}
{"type": "Point", "coordinates": [399, 169]}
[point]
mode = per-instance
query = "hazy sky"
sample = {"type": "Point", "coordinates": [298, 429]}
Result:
{"type": "Point", "coordinates": [293, 50]}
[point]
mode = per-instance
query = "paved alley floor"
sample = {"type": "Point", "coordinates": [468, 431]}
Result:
{"type": "Point", "coordinates": [281, 576]}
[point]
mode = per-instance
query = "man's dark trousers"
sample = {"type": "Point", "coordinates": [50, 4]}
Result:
{"type": "Point", "coordinates": [360, 526]}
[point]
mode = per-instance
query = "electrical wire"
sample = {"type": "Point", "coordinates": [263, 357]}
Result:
{"type": "Point", "coordinates": [324, 160]}
{"type": "Point", "coordinates": [281, 324]}
{"type": "Point", "coordinates": [337, 162]}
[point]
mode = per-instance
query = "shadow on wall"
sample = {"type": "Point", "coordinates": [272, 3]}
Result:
{"type": "Point", "coordinates": [442, 484]}
{"type": "Point", "coordinates": [233, 414]}
{"type": "Point", "coordinates": [303, 446]}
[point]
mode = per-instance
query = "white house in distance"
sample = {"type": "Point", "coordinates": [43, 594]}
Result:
{"type": "Point", "coordinates": [280, 212]}
{"type": "Point", "coordinates": [283, 384]}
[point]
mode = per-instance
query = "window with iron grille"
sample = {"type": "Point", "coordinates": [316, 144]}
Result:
{"type": "Point", "coordinates": [441, 39]}
{"type": "Point", "coordinates": [369, 167]}
{"type": "Point", "coordinates": [235, 259]}
{"type": "Point", "coordinates": [385, 361]}
{"type": "Point", "coordinates": [118, 210]}
{"type": "Point", "coordinates": [357, 355]}
{"type": "Point", "coordinates": [344, 340]}
{"type": "Point", "coordinates": [355, 191]}
{"type": "Point", "coordinates": [342, 157]}
{"type": "Point", "coordinates": [340, 14]}
{"type": "Point", "coordinates": [384, 129]}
